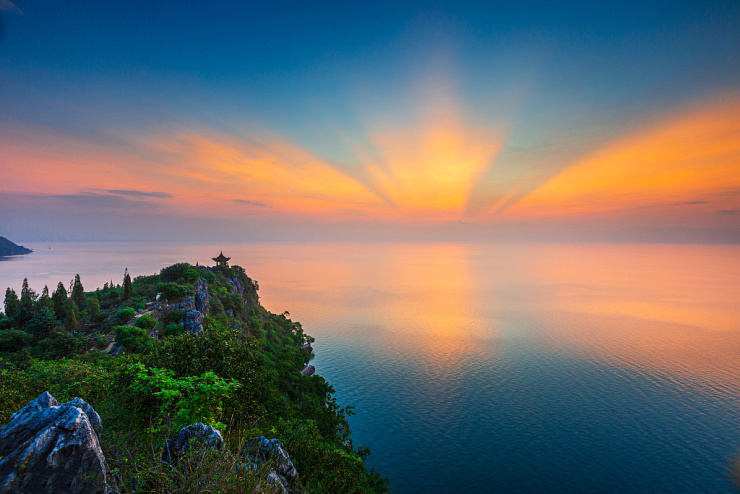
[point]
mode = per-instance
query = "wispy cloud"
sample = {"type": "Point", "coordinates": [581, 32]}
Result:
{"type": "Point", "coordinates": [9, 6]}
{"type": "Point", "coordinates": [728, 211]}
{"type": "Point", "coordinates": [101, 201]}
{"type": "Point", "coordinates": [139, 193]}
{"type": "Point", "coordinates": [688, 203]}
{"type": "Point", "coordinates": [255, 204]}
{"type": "Point", "coordinates": [688, 154]}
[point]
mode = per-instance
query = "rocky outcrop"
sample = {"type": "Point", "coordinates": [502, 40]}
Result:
{"type": "Point", "coordinates": [193, 436]}
{"type": "Point", "coordinates": [262, 452]}
{"type": "Point", "coordinates": [202, 299]}
{"type": "Point", "coordinates": [51, 448]}
{"type": "Point", "coordinates": [193, 321]}
{"type": "Point", "coordinates": [195, 307]}
{"type": "Point", "coordinates": [308, 370]}
{"type": "Point", "coordinates": [307, 347]}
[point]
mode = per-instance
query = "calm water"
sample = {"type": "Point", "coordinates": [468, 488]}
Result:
{"type": "Point", "coordinates": [499, 368]}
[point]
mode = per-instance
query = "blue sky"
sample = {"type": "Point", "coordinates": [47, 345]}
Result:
{"type": "Point", "coordinates": [553, 81]}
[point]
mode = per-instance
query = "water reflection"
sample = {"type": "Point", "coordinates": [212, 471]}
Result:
{"type": "Point", "coordinates": [505, 368]}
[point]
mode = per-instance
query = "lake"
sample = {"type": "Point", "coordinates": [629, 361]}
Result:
{"type": "Point", "coordinates": [512, 368]}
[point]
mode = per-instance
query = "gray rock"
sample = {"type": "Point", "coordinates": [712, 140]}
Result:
{"type": "Point", "coordinates": [308, 347]}
{"type": "Point", "coordinates": [202, 298]}
{"type": "Point", "coordinates": [260, 449]}
{"type": "Point", "coordinates": [51, 448]}
{"type": "Point", "coordinates": [196, 435]}
{"type": "Point", "coordinates": [308, 370]}
{"type": "Point", "coordinates": [193, 321]}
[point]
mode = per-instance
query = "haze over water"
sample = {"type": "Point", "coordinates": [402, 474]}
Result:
{"type": "Point", "coordinates": [498, 367]}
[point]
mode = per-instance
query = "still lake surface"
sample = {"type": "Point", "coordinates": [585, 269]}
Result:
{"type": "Point", "coordinates": [512, 368]}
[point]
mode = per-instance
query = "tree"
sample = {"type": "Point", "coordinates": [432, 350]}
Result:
{"type": "Point", "coordinates": [12, 306]}
{"type": "Point", "coordinates": [70, 322]}
{"type": "Point", "coordinates": [59, 299]}
{"type": "Point", "coordinates": [128, 289]}
{"type": "Point", "coordinates": [44, 301]}
{"type": "Point", "coordinates": [25, 312]}
{"type": "Point", "coordinates": [93, 308]}
{"type": "Point", "coordinates": [78, 292]}
{"type": "Point", "coordinates": [42, 322]}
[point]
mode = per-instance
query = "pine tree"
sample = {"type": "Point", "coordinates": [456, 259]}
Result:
{"type": "Point", "coordinates": [25, 312]}
{"type": "Point", "coordinates": [70, 322]}
{"type": "Point", "coordinates": [42, 323]}
{"type": "Point", "coordinates": [44, 301]}
{"type": "Point", "coordinates": [59, 299]}
{"type": "Point", "coordinates": [78, 292]}
{"type": "Point", "coordinates": [93, 307]}
{"type": "Point", "coordinates": [12, 305]}
{"type": "Point", "coordinates": [128, 289]}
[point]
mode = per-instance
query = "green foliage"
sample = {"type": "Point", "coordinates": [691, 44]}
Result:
{"type": "Point", "coordinates": [70, 322]}
{"type": "Point", "coordinates": [182, 273]}
{"type": "Point", "coordinates": [59, 301]}
{"type": "Point", "coordinates": [173, 316]}
{"type": "Point", "coordinates": [146, 322]}
{"type": "Point", "coordinates": [342, 469]}
{"type": "Point", "coordinates": [78, 292]}
{"type": "Point", "coordinates": [210, 277]}
{"type": "Point", "coordinates": [131, 337]}
{"type": "Point", "coordinates": [59, 344]}
{"type": "Point", "coordinates": [128, 289]}
{"type": "Point", "coordinates": [42, 322]}
{"type": "Point", "coordinates": [188, 399]}
{"type": "Point", "coordinates": [216, 306]}
{"type": "Point", "coordinates": [172, 291]}
{"type": "Point", "coordinates": [25, 307]}
{"type": "Point", "coordinates": [172, 329]}
{"type": "Point", "coordinates": [234, 302]}
{"type": "Point", "coordinates": [243, 369]}
{"type": "Point", "coordinates": [93, 308]}
{"type": "Point", "coordinates": [123, 315]}
{"type": "Point", "coordinates": [12, 340]}
{"type": "Point", "coordinates": [145, 286]}
{"type": "Point", "coordinates": [12, 304]}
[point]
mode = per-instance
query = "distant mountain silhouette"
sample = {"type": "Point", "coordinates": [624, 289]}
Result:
{"type": "Point", "coordinates": [8, 248]}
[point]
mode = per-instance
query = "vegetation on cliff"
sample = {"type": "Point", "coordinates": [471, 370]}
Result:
{"type": "Point", "coordinates": [190, 344]}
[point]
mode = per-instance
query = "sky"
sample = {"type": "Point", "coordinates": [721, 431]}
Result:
{"type": "Point", "coordinates": [179, 120]}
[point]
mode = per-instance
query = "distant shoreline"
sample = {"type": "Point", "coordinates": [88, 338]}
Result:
{"type": "Point", "coordinates": [8, 248]}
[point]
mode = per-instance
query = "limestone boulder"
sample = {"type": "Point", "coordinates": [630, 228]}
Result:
{"type": "Point", "coordinates": [193, 436]}
{"type": "Point", "coordinates": [51, 448]}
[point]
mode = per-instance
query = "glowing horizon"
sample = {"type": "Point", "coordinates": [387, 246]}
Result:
{"type": "Point", "coordinates": [455, 136]}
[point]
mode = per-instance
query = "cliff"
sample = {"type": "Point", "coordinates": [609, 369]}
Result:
{"type": "Point", "coordinates": [189, 349]}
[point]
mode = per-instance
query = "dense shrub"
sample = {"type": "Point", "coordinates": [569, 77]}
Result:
{"type": "Point", "coordinates": [59, 344]}
{"type": "Point", "coordinates": [173, 316]}
{"type": "Point", "coordinates": [12, 340]}
{"type": "Point", "coordinates": [130, 337]}
{"type": "Point", "coordinates": [172, 329]}
{"type": "Point", "coordinates": [179, 273]}
{"type": "Point", "coordinates": [146, 322]}
{"type": "Point", "coordinates": [172, 291]}
{"type": "Point", "coordinates": [123, 315]}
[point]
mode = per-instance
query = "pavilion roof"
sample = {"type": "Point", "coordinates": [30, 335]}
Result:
{"type": "Point", "coordinates": [221, 258]}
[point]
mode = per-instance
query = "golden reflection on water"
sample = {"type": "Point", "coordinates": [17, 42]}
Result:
{"type": "Point", "coordinates": [672, 308]}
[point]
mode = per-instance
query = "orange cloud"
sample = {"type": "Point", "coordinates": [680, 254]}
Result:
{"type": "Point", "coordinates": [428, 170]}
{"type": "Point", "coordinates": [689, 159]}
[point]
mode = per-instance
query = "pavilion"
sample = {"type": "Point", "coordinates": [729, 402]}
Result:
{"type": "Point", "coordinates": [221, 260]}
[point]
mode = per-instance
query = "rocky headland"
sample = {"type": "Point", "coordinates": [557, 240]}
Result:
{"type": "Point", "coordinates": [200, 388]}
{"type": "Point", "coordinates": [8, 248]}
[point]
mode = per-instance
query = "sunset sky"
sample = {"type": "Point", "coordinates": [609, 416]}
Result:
{"type": "Point", "coordinates": [613, 121]}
